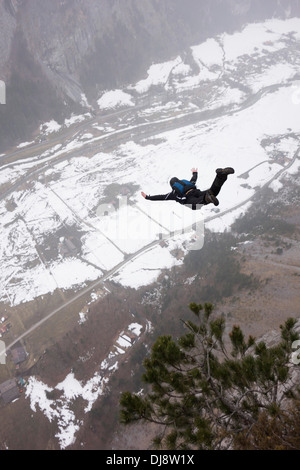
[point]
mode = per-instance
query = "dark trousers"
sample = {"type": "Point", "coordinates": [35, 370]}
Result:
{"type": "Point", "coordinates": [215, 187]}
{"type": "Point", "coordinates": [197, 197]}
{"type": "Point", "coordinates": [217, 184]}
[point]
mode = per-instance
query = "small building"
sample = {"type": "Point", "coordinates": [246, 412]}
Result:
{"type": "Point", "coordinates": [67, 247]}
{"type": "Point", "coordinates": [18, 355]}
{"type": "Point", "coordinates": [9, 391]}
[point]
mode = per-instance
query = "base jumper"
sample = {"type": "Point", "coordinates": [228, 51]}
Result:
{"type": "Point", "coordinates": [186, 193]}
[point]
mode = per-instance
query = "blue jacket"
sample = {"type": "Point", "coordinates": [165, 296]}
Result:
{"type": "Point", "coordinates": [194, 198]}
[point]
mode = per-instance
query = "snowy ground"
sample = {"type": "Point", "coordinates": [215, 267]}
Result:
{"type": "Point", "coordinates": [69, 193]}
{"type": "Point", "coordinates": [61, 410]}
{"type": "Point", "coordinates": [246, 82]}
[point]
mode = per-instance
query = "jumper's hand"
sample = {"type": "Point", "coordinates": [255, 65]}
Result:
{"type": "Point", "coordinates": [143, 194]}
{"type": "Point", "coordinates": [194, 170]}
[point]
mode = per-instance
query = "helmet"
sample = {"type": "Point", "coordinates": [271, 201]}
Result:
{"type": "Point", "coordinates": [173, 180]}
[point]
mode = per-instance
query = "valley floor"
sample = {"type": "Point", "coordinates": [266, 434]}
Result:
{"type": "Point", "coordinates": [86, 300]}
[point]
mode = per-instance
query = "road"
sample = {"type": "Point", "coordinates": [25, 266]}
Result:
{"type": "Point", "coordinates": [110, 141]}
{"type": "Point", "coordinates": [107, 142]}
{"type": "Point", "coordinates": [138, 253]}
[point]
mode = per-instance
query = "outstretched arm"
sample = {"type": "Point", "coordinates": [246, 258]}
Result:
{"type": "Point", "coordinates": [161, 197]}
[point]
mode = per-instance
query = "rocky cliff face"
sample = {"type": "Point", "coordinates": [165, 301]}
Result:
{"type": "Point", "coordinates": [52, 52]}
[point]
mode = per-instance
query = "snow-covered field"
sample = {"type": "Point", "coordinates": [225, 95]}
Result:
{"type": "Point", "coordinates": [232, 68]}
{"type": "Point", "coordinates": [247, 82]}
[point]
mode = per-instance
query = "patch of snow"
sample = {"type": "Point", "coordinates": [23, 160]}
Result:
{"type": "Point", "coordinates": [84, 101]}
{"type": "Point", "coordinates": [115, 99]}
{"type": "Point", "coordinates": [136, 328]}
{"type": "Point", "coordinates": [60, 410]}
{"type": "Point", "coordinates": [76, 118]}
{"type": "Point", "coordinates": [158, 74]}
{"type": "Point", "coordinates": [276, 186]}
{"type": "Point", "coordinates": [208, 53]}
{"type": "Point", "coordinates": [50, 127]}
{"type": "Point", "coordinates": [24, 144]}
{"type": "Point", "coordinates": [82, 318]}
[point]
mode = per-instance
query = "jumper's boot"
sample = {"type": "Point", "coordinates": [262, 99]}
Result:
{"type": "Point", "coordinates": [225, 171]}
{"type": "Point", "coordinates": [210, 198]}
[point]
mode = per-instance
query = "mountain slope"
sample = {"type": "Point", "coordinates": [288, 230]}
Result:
{"type": "Point", "coordinates": [58, 52]}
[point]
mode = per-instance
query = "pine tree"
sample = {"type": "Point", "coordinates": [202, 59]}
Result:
{"type": "Point", "coordinates": [201, 394]}
{"type": "Point", "coordinates": [279, 432]}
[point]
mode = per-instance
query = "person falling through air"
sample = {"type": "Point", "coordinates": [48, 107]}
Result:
{"type": "Point", "coordinates": [185, 192]}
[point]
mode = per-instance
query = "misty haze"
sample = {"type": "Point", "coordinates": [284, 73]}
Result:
{"type": "Point", "coordinates": [102, 103]}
